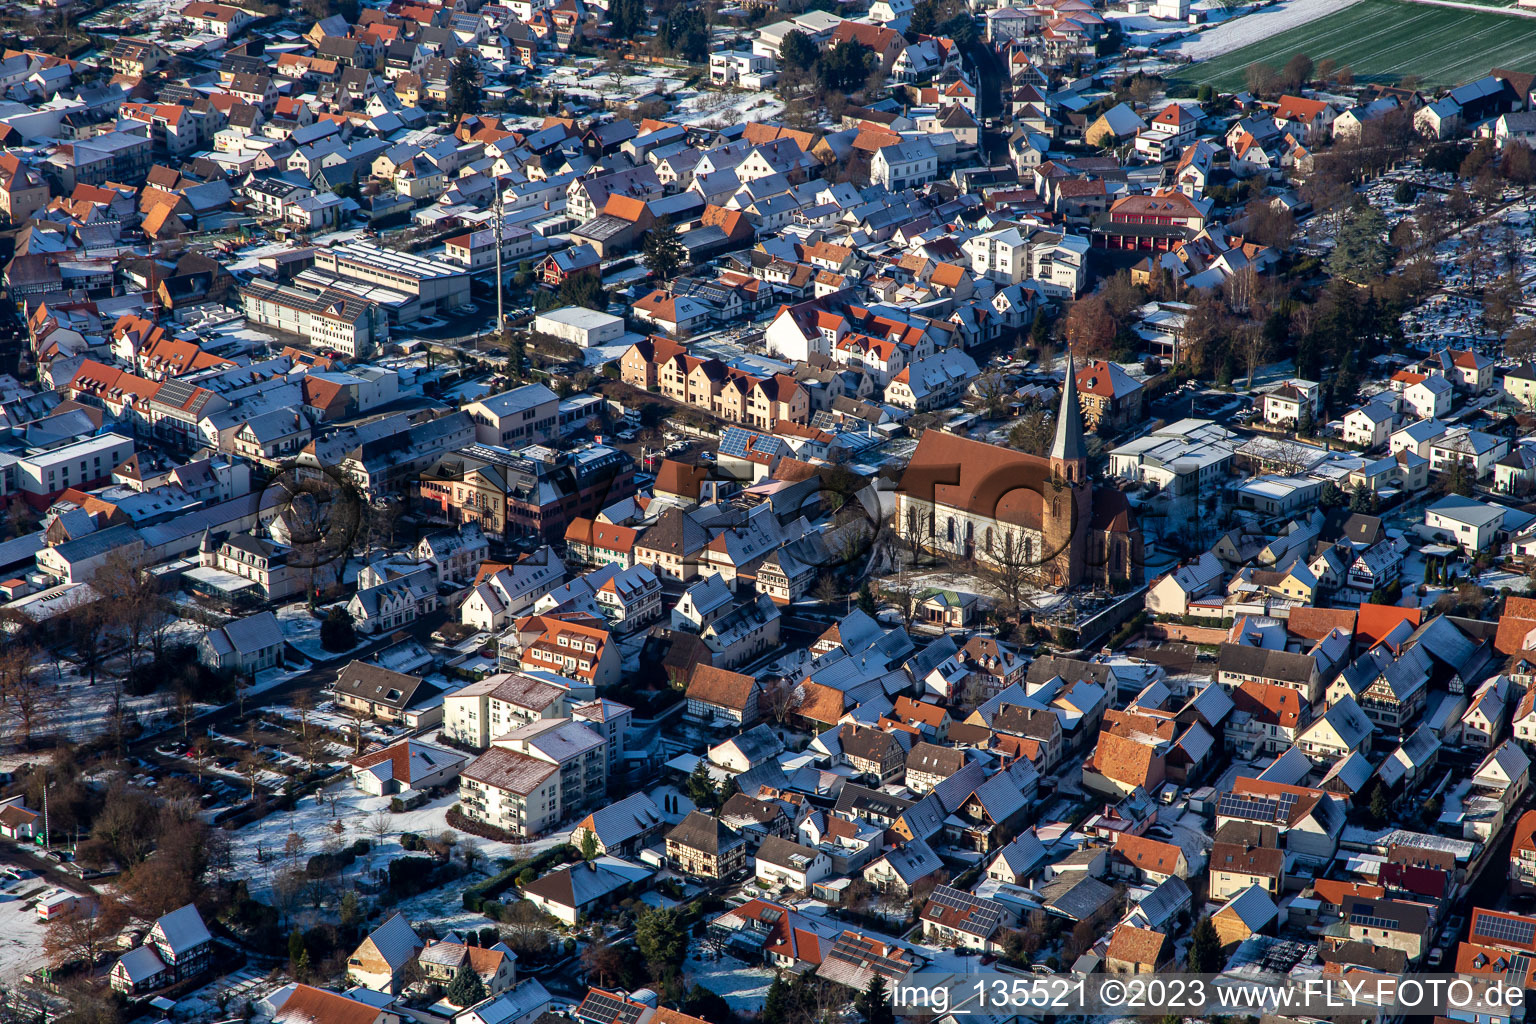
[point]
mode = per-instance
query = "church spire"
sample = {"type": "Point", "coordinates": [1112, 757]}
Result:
{"type": "Point", "coordinates": [1068, 455]}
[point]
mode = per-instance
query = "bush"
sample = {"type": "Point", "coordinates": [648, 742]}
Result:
{"type": "Point", "coordinates": [396, 805]}
{"type": "Point", "coordinates": [411, 842]}
{"type": "Point", "coordinates": [479, 894]}
{"type": "Point", "coordinates": [336, 631]}
{"type": "Point", "coordinates": [360, 848]}
{"type": "Point", "coordinates": [323, 865]}
{"type": "Point", "coordinates": [410, 875]}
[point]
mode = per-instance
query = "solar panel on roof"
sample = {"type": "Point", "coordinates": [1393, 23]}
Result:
{"type": "Point", "coordinates": [601, 1008]}
{"type": "Point", "coordinates": [1505, 929]}
{"type": "Point", "coordinates": [1371, 921]}
{"type": "Point", "coordinates": [735, 442]}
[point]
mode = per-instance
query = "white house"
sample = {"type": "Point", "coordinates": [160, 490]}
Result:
{"type": "Point", "coordinates": [408, 765]}
{"type": "Point", "coordinates": [905, 164]}
{"type": "Point", "coordinates": [785, 863]}
{"type": "Point", "coordinates": [245, 646]}
{"type": "Point", "coordinates": [1472, 448]}
{"type": "Point", "coordinates": [1429, 397]}
{"type": "Point", "coordinates": [1171, 593]}
{"type": "Point", "coordinates": [1465, 520]}
{"type": "Point", "coordinates": [1370, 425]}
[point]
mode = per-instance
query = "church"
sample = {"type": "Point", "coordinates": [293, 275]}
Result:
{"type": "Point", "coordinates": [969, 499]}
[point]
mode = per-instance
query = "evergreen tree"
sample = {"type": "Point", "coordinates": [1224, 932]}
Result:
{"type": "Point", "coordinates": [664, 252]}
{"type": "Point", "coordinates": [589, 846]}
{"type": "Point", "coordinates": [516, 355]}
{"type": "Point", "coordinates": [1204, 948]}
{"type": "Point", "coordinates": [701, 788]}
{"type": "Point", "coordinates": [464, 89]}
{"type": "Point", "coordinates": [1380, 806]}
{"type": "Point", "coordinates": [797, 52]}
{"type": "Point", "coordinates": [1039, 331]}
{"type": "Point", "coordinates": [336, 631]}
{"type": "Point", "coordinates": [844, 68]}
{"type": "Point", "coordinates": [708, 1005]}
{"type": "Point", "coordinates": [298, 955]}
{"type": "Point", "coordinates": [662, 939]}
{"type": "Point", "coordinates": [585, 290]}
{"type": "Point", "coordinates": [925, 19]}
{"type": "Point", "coordinates": [466, 988]}
{"type": "Point", "coordinates": [867, 600]}
{"type": "Point", "coordinates": [779, 1004]}
{"type": "Point", "coordinates": [1360, 253]}
{"type": "Point", "coordinates": [686, 32]}
{"type": "Point", "coordinates": [628, 18]}
{"type": "Point", "coordinates": [874, 1005]}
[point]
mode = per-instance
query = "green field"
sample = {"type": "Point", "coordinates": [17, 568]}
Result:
{"type": "Point", "coordinates": [1382, 40]}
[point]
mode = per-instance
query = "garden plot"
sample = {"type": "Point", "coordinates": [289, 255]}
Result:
{"type": "Point", "coordinates": [741, 985]}
{"type": "Point", "coordinates": [258, 847]}
{"type": "Point", "coordinates": [315, 820]}
{"type": "Point", "coordinates": [728, 108]}
{"type": "Point", "coordinates": [302, 631]}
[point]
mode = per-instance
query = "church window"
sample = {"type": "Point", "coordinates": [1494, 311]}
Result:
{"type": "Point", "coordinates": [951, 530]}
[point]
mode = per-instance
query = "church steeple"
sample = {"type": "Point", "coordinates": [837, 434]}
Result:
{"type": "Point", "coordinates": [1069, 458]}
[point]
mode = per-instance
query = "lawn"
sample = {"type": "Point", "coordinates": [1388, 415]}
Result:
{"type": "Point", "coordinates": [1383, 40]}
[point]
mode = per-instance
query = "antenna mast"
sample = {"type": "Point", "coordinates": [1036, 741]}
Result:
{"type": "Point", "coordinates": [501, 320]}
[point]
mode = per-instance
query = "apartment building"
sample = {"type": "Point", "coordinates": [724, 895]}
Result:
{"type": "Point", "coordinates": [476, 714]}
{"type": "Point", "coordinates": [536, 776]}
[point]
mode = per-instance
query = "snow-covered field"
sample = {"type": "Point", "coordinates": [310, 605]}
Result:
{"type": "Point", "coordinates": [85, 711]}
{"type": "Point", "coordinates": [316, 823]}
{"type": "Point", "coordinates": [729, 107]}
{"type": "Point", "coordinates": [1257, 27]}
{"type": "Point", "coordinates": [21, 933]}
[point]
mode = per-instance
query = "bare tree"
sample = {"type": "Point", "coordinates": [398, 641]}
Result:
{"type": "Point", "coordinates": [304, 706]}
{"type": "Point", "coordinates": [186, 708]}
{"type": "Point", "coordinates": [85, 625]}
{"type": "Point", "coordinates": [250, 766]}
{"type": "Point", "coordinates": [379, 824]}
{"type": "Point", "coordinates": [87, 931]}
{"type": "Point", "coordinates": [315, 751]}
{"type": "Point", "coordinates": [29, 703]}
{"type": "Point", "coordinates": [779, 697]}
{"type": "Point", "coordinates": [1251, 344]}
{"type": "Point", "coordinates": [130, 595]}
{"type": "Point", "coordinates": [918, 526]}
{"type": "Point", "coordinates": [1015, 565]}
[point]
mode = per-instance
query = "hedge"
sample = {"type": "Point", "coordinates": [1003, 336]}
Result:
{"type": "Point", "coordinates": [476, 895]}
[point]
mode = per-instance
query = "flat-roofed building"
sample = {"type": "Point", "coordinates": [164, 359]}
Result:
{"type": "Point", "coordinates": [580, 326]}
{"type": "Point", "coordinates": [431, 287]}
{"type": "Point", "coordinates": [329, 318]}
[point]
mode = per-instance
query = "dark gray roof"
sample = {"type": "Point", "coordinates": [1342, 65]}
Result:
{"type": "Point", "coordinates": [1261, 663]}
{"type": "Point", "coordinates": [705, 832]}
